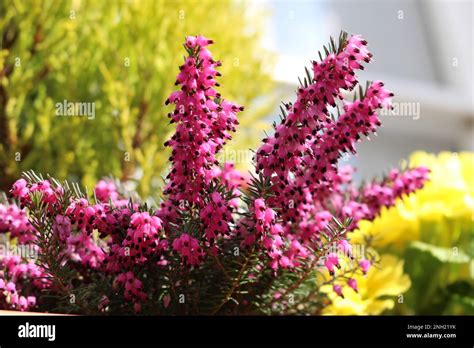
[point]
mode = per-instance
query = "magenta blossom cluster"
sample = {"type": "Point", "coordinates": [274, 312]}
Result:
{"type": "Point", "coordinates": [189, 249]}
{"type": "Point", "coordinates": [285, 151]}
{"type": "Point", "coordinates": [309, 187]}
{"type": "Point", "coordinates": [21, 279]}
{"type": "Point", "coordinates": [14, 220]}
{"type": "Point", "coordinates": [367, 203]}
{"type": "Point", "coordinates": [204, 121]}
{"type": "Point", "coordinates": [289, 214]}
{"type": "Point", "coordinates": [20, 282]}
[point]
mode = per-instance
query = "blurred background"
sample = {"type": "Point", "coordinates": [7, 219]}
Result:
{"type": "Point", "coordinates": [120, 59]}
{"type": "Point", "coordinates": [122, 56]}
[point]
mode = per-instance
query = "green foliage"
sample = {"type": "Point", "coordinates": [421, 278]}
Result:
{"type": "Point", "coordinates": [444, 255]}
{"type": "Point", "coordinates": [441, 276]}
{"type": "Point", "coordinates": [122, 56]}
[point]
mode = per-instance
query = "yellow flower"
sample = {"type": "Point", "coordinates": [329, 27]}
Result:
{"type": "Point", "coordinates": [439, 214]}
{"type": "Point", "coordinates": [385, 280]}
{"type": "Point", "coordinates": [450, 191]}
{"type": "Point", "coordinates": [394, 226]}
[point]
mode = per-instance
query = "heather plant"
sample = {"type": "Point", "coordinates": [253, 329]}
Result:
{"type": "Point", "coordinates": [220, 242]}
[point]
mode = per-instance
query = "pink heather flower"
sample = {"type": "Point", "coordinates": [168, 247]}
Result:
{"type": "Point", "coordinates": [338, 290]}
{"type": "Point", "coordinates": [82, 248]}
{"type": "Point", "coordinates": [133, 287]}
{"type": "Point", "coordinates": [108, 220]}
{"type": "Point", "coordinates": [330, 262]}
{"type": "Point", "coordinates": [216, 217]}
{"type": "Point", "coordinates": [230, 176]}
{"type": "Point", "coordinates": [333, 258]}
{"type": "Point", "coordinates": [322, 219]}
{"type": "Point", "coordinates": [295, 252]}
{"type": "Point", "coordinates": [22, 303]}
{"type": "Point", "coordinates": [264, 229]}
{"type": "Point", "coordinates": [22, 280]}
{"type": "Point", "coordinates": [31, 300]}
{"type": "Point", "coordinates": [62, 226]}
{"type": "Point", "coordinates": [285, 262]}
{"type": "Point", "coordinates": [330, 266]}
{"type": "Point", "coordinates": [11, 288]}
{"type": "Point", "coordinates": [15, 221]}
{"type": "Point", "coordinates": [15, 268]}
{"type": "Point", "coordinates": [340, 136]}
{"type": "Point", "coordinates": [270, 216]}
{"type": "Point", "coordinates": [232, 179]}
{"type": "Point", "coordinates": [352, 284]}
{"type": "Point", "coordinates": [20, 189]}
{"type": "Point", "coordinates": [259, 206]}
{"type": "Point", "coordinates": [364, 265]}
{"type": "Point", "coordinates": [143, 237]}
{"type": "Point", "coordinates": [189, 249]}
{"type": "Point", "coordinates": [105, 190]}
{"type": "Point", "coordinates": [408, 181]}
{"type": "Point", "coordinates": [81, 214]}
{"type": "Point", "coordinates": [48, 193]}
{"type": "Point", "coordinates": [345, 174]}
{"type": "Point", "coordinates": [265, 217]}
{"type": "Point", "coordinates": [357, 211]}
{"type": "Point", "coordinates": [374, 196]}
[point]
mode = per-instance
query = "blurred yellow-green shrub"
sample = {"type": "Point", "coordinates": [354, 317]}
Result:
{"type": "Point", "coordinates": [431, 233]}
{"type": "Point", "coordinates": [123, 57]}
